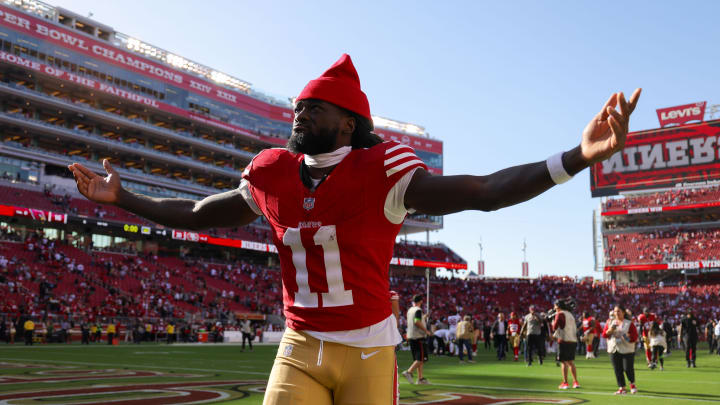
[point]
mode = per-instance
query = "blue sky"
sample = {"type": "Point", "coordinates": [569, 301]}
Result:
{"type": "Point", "coordinates": [501, 83]}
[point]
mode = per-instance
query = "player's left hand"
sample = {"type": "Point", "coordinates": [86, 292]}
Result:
{"type": "Point", "coordinates": [606, 133]}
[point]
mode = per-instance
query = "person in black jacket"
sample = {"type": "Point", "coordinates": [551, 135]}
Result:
{"type": "Point", "coordinates": [709, 332]}
{"type": "Point", "coordinates": [499, 333]}
{"type": "Point", "coordinates": [487, 329]}
{"type": "Point", "coordinates": [85, 334]}
{"type": "Point", "coordinates": [545, 333]}
{"type": "Point", "coordinates": [689, 334]}
{"type": "Point", "coordinates": [669, 334]}
{"type": "Point", "coordinates": [4, 332]}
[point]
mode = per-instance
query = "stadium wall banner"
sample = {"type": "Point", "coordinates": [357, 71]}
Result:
{"type": "Point", "coordinates": [62, 37]}
{"type": "Point", "coordinates": [146, 101]}
{"type": "Point", "coordinates": [681, 114]}
{"type": "Point", "coordinates": [706, 265]}
{"type": "Point", "coordinates": [647, 210]}
{"type": "Point", "coordinates": [660, 158]}
{"type": "Point", "coordinates": [35, 214]}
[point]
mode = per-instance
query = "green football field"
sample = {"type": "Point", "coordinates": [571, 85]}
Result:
{"type": "Point", "coordinates": [162, 374]}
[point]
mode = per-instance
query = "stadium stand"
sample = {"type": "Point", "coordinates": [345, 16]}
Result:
{"type": "Point", "coordinates": [664, 198]}
{"type": "Point", "coordinates": [667, 246]}
{"type": "Point", "coordinates": [50, 280]}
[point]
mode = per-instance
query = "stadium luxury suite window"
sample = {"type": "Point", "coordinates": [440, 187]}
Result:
{"type": "Point", "coordinates": [24, 52]}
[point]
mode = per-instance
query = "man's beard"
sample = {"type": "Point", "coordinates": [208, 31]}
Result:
{"type": "Point", "coordinates": [312, 143]}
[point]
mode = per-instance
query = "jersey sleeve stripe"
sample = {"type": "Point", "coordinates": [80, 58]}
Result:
{"type": "Point", "coordinates": [398, 157]}
{"type": "Point", "coordinates": [247, 196]}
{"type": "Point", "coordinates": [396, 147]}
{"type": "Point", "coordinates": [409, 163]}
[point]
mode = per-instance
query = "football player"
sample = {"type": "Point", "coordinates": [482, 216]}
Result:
{"type": "Point", "coordinates": [336, 198]}
{"type": "Point", "coordinates": [645, 320]}
{"type": "Point", "coordinates": [588, 329]}
{"type": "Point", "coordinates": [453, 321]}
{"type": "Point", "coordinates": [514, 326]}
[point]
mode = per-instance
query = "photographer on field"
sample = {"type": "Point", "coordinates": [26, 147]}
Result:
{"type": "Point", "coordinates": [565, 331]}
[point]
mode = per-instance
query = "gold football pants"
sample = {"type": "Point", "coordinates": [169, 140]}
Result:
{"type": "Point", "coordinates": [308, 371]}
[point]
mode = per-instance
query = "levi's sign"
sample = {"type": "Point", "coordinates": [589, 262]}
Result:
{"type": "Point", "coordinates": [681, 114]}
{"type": "Point", "coordinates": [661, 158]}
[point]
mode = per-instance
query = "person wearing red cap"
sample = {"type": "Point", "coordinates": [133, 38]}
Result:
{"type": "Point", "coordinates": [336, 198]}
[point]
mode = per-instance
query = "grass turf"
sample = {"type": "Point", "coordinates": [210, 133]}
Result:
{"type": "Point", "coordinates": [96, 372]}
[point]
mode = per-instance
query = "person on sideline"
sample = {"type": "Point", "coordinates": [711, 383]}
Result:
{"type": "Point", "coordinates": [689, 334]}
{"type": "Point", "coordinates": [499, 335]}
{"type": "Point", "coordinates": [621, 335]}
{"type": "Point", "coordinates": [464, 335]}
{"type": "Point", "coordinates": [486, 331]}
{"type": "Point", "coordinates": [247, 333]}
{"type": "Point", "coordinates": [29, 327]}
{"type": "Point", "coordinates": [658, 345]}
{"type": "Point", "coordinates": [514, 325]}
{"type": "Point", "coordinates": [110, 332]}
{"type": "Point", "coordinates": [170, 331]}
{"type": "Point", "coordinates": [417, 334]}
{"type": "Point", "coordinates": [588, 335]}
{"type": "Point", "coordinates": [532, 330]}
{"type": "Point", "coordinates": [565, 331]}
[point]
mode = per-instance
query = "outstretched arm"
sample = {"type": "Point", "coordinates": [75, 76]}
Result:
{"type": "Point", "coordinates": [440, 195]}
{"type": "Point", "coordinates": [227, 209]}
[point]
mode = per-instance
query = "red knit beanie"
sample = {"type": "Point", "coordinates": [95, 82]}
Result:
{"type": "Point", "coordinates": [339, 85]}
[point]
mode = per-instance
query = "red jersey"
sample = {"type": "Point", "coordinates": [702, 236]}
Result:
{"type": "Point", "coordinates": [514, 326]}
{"type": "Point", "coordinates": [335, 243]}
{"type": "Point", "coordinates": [588, 323]}
{"type": "Point", "coordinates": [646, 322]}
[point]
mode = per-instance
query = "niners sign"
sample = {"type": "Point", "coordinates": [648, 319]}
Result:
{"type": "Point", "coordinates": [661, 158]}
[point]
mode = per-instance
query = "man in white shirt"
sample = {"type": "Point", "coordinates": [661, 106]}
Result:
{"type": "Point", "coordinates": [442, 337]}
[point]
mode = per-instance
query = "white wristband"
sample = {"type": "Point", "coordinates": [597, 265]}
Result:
{"type": "Point", "coordinates": [557, 170]}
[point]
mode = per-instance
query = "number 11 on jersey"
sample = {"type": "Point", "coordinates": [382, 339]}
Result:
{"type": "Point", "coordinates": [326, 238]}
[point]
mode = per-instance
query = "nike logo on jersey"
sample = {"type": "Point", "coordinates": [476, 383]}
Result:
{"type": "Point", "coordinates": [367, 356]}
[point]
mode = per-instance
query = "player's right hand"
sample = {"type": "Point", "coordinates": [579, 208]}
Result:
{"type": "Point", "coordinates": [94, 187]}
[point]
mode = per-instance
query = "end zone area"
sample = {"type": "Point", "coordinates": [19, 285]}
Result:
{"type": "Point", "coordinates": [223, 374]}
